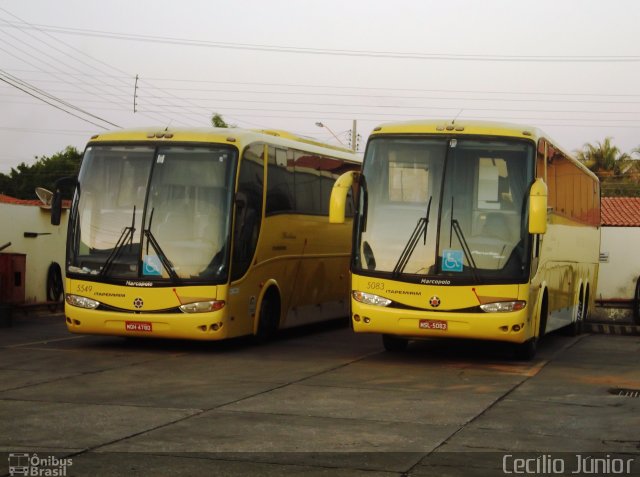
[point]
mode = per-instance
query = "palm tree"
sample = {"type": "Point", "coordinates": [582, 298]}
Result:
{"type": "Point", "coordinates": [602, 157]}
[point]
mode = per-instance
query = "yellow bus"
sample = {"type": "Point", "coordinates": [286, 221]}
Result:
{"type": "Point", "coordinates": [205, 234]}
{"type": "Point", "coordinates": [470, 230]}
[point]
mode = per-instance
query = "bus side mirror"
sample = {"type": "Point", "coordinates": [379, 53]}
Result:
{"type": "Point", "coordinates": [56, 207]}
{"type": "Point", "coordinates": [338, 200]}
{"type": "Point", "coordinates": [538, 207]}
{"type": "Point", "coordinates": [56, 200]}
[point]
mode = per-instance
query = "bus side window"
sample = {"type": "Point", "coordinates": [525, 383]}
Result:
{"type": "Point", "coordinates": [280, 182]}
{"type": "Point", "coordinates": [248, 207]}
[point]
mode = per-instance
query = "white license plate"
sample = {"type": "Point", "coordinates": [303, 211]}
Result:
{"type": "Point", "coordinates": [433, 325]}
{"type": "Point", "coordinates": [144, 326]}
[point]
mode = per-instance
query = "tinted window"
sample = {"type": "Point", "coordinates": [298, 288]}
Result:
{"type": "Point", "coordinates": [248, 209]}
{"type": "Point", "coordinates": [281, 183]}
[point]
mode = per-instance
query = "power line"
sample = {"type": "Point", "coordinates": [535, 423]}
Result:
{"type": "Point", "coordinates": [358, 88]}
{"type": "Point", "coordinates": [24, 23]}
{"type": "Point", "coordinates": [332, 52]}
{"type": "Point", "coordinates": [4, 80]}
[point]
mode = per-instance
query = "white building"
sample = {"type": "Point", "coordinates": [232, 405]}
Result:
{"type": "Point", "coordinates": [619, 249]}
{"type": "Point", "coordinates": [25, 224]}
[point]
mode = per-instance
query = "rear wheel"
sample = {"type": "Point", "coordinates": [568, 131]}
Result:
{"type": "Point", "coordinates": [575, 328]}
{"type": "Point", "coordinates": [394, 343]}
{"type": "Point", "coordinates": [636, 303]}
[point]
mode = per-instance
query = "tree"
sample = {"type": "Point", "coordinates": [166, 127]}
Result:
{"type": "Point", "coordinates": [218, 122]}
{"type": "Point", "coordinates": [603, 157]}
{"type": "Point", "coordinates": [22, 180]}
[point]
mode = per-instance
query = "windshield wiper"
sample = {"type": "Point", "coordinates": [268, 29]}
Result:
{"type": "Point", "coordinates": [125, 236]}
{"type": "Point", "coordinates": [420, 229]}
{"type": "Point", "coordinates": [151, 240]}
{"type": "Point", "coordinates": [455, 226]}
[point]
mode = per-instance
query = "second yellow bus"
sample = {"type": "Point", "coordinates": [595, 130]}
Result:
{"type": "Point", "coordinates": [470, 230]}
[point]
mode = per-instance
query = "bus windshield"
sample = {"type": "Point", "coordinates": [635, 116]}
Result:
{"type": "Point", "coordinates": [445, 207]}
{"type": "Point", "coordinates": [153, 213]}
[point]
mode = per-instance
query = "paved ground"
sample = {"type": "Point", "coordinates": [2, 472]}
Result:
{"type": "Point", "coordinates": [316, 402]}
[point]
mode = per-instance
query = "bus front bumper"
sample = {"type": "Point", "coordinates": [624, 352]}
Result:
{"type": "Point", "coordinates": [192, 326]}
{"type": "Point", "coordinates": [512, 327]}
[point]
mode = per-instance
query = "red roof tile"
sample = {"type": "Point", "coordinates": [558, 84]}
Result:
{"type": "Point", "coordinates": [5, 199]}
{"type": "Point", "coordinates": [621, 211]}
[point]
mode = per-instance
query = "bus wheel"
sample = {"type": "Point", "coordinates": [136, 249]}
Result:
{"type": "Point", "coordinates": [575, 328]}
{"type": "Point", "coordinates": [269, 318]}
{"type": "Point", "coordinates": [636, 303]}
{"type": "Point", "coordinates": [526, 351]}
{"type": "Point", "coordinates": [394, 343]}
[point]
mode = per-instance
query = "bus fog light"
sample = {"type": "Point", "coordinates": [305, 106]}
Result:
{"type": "Point", "coordinates": [356, 317]}
{"type": "Point", "coordinates": [503, 306]}
{"type": "Point", "coordinates": [367, 319]}
{"type": "Point", "coordinates": [370, 299]}
{"type": "Point", "coordinates": [82, 301]}
{"type": "Point", "coordinates": [516, 328]}
{"type": "Point", "coordinates": [202, 306]}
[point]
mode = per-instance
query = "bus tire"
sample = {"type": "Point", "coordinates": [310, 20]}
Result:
{"type": "Point", "coordinates": [394, 343]}
{"type": "Point", "coordinates": [268, 318]}
{"type": "Point", "coordinates": [526, 351]}
{"type": "Point", "coordinates": [575, 328]}
{"type": "Point", "coordinates": [636, 303]}
{"type": "Point", "coordinates": [55, 287]}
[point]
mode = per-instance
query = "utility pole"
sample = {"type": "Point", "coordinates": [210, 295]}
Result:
{"type": "Point", "coordinates": [354, 137]}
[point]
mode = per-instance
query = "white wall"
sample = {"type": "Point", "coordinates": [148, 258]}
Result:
{"type": "Point", "coordinates": [617, 277]}
{"type": "Point", "coordinates": [15, 220]}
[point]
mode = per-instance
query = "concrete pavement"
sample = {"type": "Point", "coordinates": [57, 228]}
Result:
{"type": "Point", "coordinates": [318, 401]}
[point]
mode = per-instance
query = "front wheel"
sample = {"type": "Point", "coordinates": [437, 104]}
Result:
{"type": "Point", "coordinates": [526, 351]}
{"type": "Point", "coordinates": [394, 343]}
{"type": "Point", "coordinates": [269, 320]}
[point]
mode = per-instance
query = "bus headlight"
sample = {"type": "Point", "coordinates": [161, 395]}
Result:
{"type": "Point", "coordinates": [503, 306]}
{"type": "Point", "coordinates": [202, 306]}
{"type": "Point", "coordinates": [81, 301]}
{"type": "Point", "coordinates": [370, 299]}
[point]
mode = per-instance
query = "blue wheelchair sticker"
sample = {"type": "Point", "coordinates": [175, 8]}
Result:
{"type": "Point", "coordinates": [452, 260]}
{"type": "Point", "coordinates": [151, 265]}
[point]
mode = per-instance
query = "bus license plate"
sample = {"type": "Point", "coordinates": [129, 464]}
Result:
{"type": "Point", "coordinates": [138, 326]}
{"type": "Point", "coordinates": [433, 325]}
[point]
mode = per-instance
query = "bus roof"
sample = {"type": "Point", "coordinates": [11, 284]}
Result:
{"type": "Point", "coordinates": [231, 136]}
{"type": "Point", "coordinates": [459, 127]}
{"type": "Point", "coordinates": [469, 127]}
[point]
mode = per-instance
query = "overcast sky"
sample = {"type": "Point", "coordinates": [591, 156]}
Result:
{"type": "Point", "coordinates": [68, 67]}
